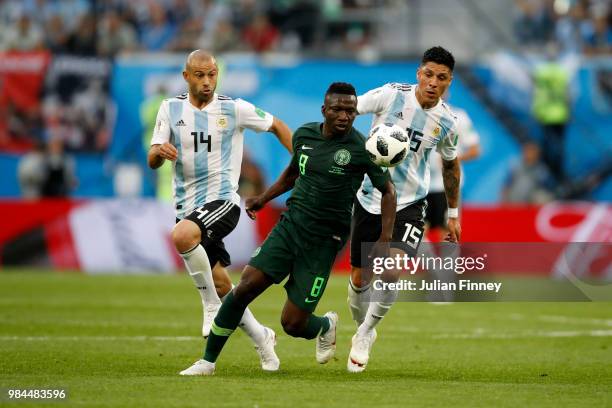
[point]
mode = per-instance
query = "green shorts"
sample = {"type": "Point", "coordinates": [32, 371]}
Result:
{"type": "Point", "coordinates": [308, 262]}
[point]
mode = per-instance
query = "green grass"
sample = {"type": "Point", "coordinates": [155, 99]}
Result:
{"type": "Point", "coordinates": [120, 341]}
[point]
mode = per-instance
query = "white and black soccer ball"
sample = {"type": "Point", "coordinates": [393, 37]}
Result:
{"type": "Point", "coordinates": [387, 145]}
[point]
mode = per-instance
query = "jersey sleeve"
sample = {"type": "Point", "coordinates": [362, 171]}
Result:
{"type": "Point", "coordinates": [161, 131]}
{"type": "Point", "coordinates": [376, 100]}
{"type": "Point", "coordinates": [378, 175]}
{"type": "Point", "coordinates": [447, 147]}
{"type": "Point", "coordinates": [252, 117]}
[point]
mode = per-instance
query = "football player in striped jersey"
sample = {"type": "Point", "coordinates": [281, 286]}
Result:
{"type": "Point", "coordinates": [201, 133]}
{"type": "Point", "coordinates": [430, 124]}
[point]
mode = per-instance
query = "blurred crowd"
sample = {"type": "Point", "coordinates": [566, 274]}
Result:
{"type": "Point", "coordinates": [574, 26]}
{"type": "Point", "coordinates": [110, 27]}
{"type": "Point", "coordinates": [76, 111]}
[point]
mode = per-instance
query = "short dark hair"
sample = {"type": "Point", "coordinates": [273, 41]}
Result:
{"type": "Point", "coordinates": [440, 56]}
{"type": "Point", "coordinates": [343, 88]}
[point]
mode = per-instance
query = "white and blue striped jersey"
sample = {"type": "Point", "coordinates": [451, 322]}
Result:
{"type": "Point", "coordinates": [209, 143]}
{"type": "Point", "coordinates": [427, 128]}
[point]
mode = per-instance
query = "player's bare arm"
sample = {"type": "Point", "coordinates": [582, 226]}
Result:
{"type": "Point", "coordinates": [285, 182]}
{"type": "Point", "coordinates": [451, 175]}
{"type": "Point", "coordinates": [282, 132]}
{"type": "Point", "coordinates": [159, 153]}
{"type": "Point", "coordinates": [388, 206]}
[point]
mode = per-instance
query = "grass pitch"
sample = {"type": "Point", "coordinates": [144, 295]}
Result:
{"type": "Point", "coordinates": [121, 340]}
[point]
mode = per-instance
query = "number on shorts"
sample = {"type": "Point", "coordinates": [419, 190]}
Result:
{"type": "Point", "coordinates": [412, 233]}
{"type": "Point", "coordinates": [317, 286]}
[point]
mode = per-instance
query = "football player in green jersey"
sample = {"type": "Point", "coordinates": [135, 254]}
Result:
{"type": "Point", "coordinates": [328, 165]}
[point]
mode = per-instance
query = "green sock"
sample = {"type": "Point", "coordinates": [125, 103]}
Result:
{"type": "Point", "coordinates": [225, 323]}
{"type": "Point", "coordinates": [316, 326]}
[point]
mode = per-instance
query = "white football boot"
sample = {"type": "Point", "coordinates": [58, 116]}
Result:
{"type": "Point", "coordinates": [267, 355]}
{"type": "Point", "coordinates": [200, 367]}
{"type": "Point", "coordinates": [210, 312]}
{"type": "Point", "coordinates": [360, 351]}
{"type": "Point", "coordinates": [326, 344]}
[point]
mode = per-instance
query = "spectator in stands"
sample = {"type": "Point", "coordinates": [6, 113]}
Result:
{"type": "Point", "coordinates": [46, 171]}
{"type": "Point", "coordinates": [59, 178]}
{"type": "Point", "coordinates": [534, 21]}
{"type": "Point", "coordinates": [115, 35]}
{"type": "Point", "coordinates": [224, 38]}
{"type": "Point", "coordinates": [83, 40]}
{"type": "Point", "coordinates": [180, 12]}
{"type": "Point", "coordinates": [551, 109]}
{"type": "Point", "coordinates": [600, 42]}
{"type": "Point", "coordinates": [574, 29]}
{"type": "Point", "coordinates": [56, 35]}
{"type": "Point", "coordinates": [23, 35]}
{"type": "Point", "coordinates": [210, 13]}
{"type": "Point", "coordinates": [31, 172]}
{"type": "Point", "coordinates": [260, 35]}
{"type": "Point", "coordinates": [188, 26]}
{"type": "Point", "coordinates": [296, 18]}
{"type": "Point", "coordinates": [529, 181]}
{"type": "Point", "coordinates": [242, 14]}
{"type": "Point", "coordinates": [158, 33]}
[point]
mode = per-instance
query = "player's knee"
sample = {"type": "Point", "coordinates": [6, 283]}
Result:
{"type": "Point", "coordinates": [293, 327]}
{"type": "Point", "coordinates": [358, 278]}
{"type": "Point", "coordinates": [185, 236]}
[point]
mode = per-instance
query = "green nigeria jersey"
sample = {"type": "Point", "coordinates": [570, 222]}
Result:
{"type": "Point", "coordinates": [330, 173]}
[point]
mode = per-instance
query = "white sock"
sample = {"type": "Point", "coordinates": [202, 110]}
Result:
{"type": "Point", "coordinates": [198, 266]}
{"type": "Point", "coordinates": [377, 310]}
{"type": "Point", "coordinates": [255, 330]}
{"type": "Point", "coordinates": [358, 301]}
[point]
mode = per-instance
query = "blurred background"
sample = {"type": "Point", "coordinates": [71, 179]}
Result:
{"type": "Point", "coordinates": [81, 82]}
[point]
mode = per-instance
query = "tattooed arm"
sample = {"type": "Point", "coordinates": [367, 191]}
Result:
{"type": "Point", "coordinates": [451, 175]}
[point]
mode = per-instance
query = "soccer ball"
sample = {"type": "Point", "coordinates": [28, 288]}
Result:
{"type": "Point", "coordinates": [387, 145]}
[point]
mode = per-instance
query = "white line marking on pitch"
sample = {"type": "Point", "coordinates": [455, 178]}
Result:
{"type": "Point", "coordinates": [479, 334]}
{"type": "Point", "coordinates": [99, 338]}
{"type": "Point", "coordinates": [579, 320]}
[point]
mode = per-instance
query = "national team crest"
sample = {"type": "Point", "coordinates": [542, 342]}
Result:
{"type": "Point", "coordinates": [222, 122]}
{"type": "Point", "coordinates": [342, 157]}
{"type": "Point", "coordinates": [436, 131]}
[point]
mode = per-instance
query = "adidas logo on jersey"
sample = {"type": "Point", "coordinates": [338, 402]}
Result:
{"type": "Point", "coordinates": [399, 115]}
{"type": "Point", "coordinates": [180, 123]}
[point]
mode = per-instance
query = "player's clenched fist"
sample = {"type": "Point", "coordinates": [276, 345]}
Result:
{"type": "Point", "coordinates": [252, 205]}
{"type": "Point", "coordinates": [168, 151]}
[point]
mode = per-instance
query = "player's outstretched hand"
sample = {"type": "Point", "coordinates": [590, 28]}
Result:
{"type": "Point", "coordinates": [168, 151]}
{"type": "Point", "coordinates": [454, 230]}
{"type": "Point", "coordinates": [252, 205]}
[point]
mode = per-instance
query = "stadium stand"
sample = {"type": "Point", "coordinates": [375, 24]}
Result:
{"type": "Point", "coordinates": [76, 72]}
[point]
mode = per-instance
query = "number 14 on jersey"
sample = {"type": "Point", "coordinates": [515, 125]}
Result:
{"type": "Point", "coordinates": [202, 139]}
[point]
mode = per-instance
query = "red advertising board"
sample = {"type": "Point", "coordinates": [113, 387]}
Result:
{"type": "Point", "coordinates": [70, 234]}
